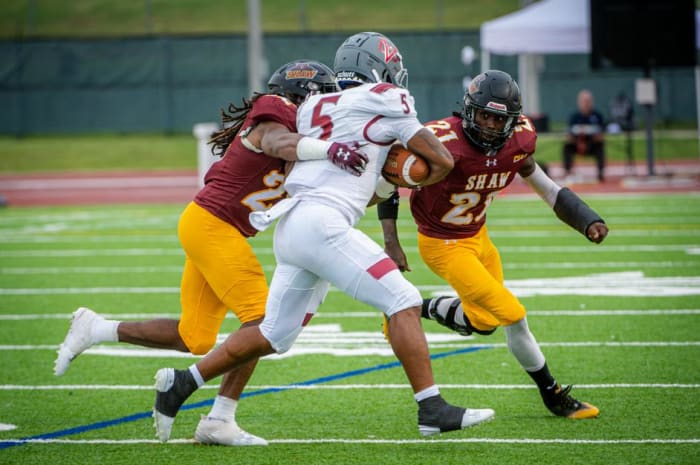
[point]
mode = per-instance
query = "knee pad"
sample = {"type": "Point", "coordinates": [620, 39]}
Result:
{"type": "Point", "coordinates": [448, 312]}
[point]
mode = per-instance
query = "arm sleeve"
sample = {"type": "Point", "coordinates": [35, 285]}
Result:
{"type": "Point", "coordinates": [543, 185]}
{"type": "Point", "coordinates": [389, 208]}
{"type": "Point", "coordinates": [575, 212]}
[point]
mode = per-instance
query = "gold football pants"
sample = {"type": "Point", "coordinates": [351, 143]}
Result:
{"type": "Point", "coordinates": [221, 272]}
{"type": "Point", "coordinates": [472, 267]}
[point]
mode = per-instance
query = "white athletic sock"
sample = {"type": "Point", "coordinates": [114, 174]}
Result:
{"type": "Point", "coordinates": [431, 391]}
{"type": "Point", "coordinates": [105, 330]}
{"type": "Point", "coordinates": [197, 376]}
{"type": "Point", "coordinates": [523, 346]}
{"type": "Point", "coordinates": [224, 407]}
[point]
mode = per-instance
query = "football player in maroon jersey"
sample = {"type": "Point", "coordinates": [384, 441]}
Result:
{"type": "Point", "coordinates": [316, 242]}
{"type": "Point", "coordinates": [221, 271]}
{"type": "Point", "coordinates": [490, 141]}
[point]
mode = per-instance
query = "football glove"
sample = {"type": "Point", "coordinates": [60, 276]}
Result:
{"type": "Point", "coordinates": [348, 158]}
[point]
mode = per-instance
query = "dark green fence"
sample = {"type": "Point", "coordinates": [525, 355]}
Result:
{"type": "Point", "coordinates": [167, 84]}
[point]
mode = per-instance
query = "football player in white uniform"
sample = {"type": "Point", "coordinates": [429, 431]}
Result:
{"type": "Point", "coordinates": [316, 243]}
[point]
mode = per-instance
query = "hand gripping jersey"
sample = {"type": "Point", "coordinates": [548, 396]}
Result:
{"type": "Point", "coordinates": [456, 206]}
{"type": "Point", "coordinates": [244, 181]}
{"type": "Point", "coordinates": [372, 114]}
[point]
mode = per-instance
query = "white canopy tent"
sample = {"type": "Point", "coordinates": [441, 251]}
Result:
{"type": "Point", "coordinates": [545, 27]}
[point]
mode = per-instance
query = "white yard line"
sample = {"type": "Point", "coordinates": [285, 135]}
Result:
{"type": "Point", "coordinates": [362, 314]}
{"type": "Point", "coordinates": [376, 441]}
{"type": "Point", "coordinates": [346, 344]}
{"type": "Point", "coordinates": [11, 237]}
{"type": "Point", "coordinates": [587, 249]}
{"type": "Point", "coordinates": [338, 387]}
{"type": "Point", "coordinates": [623, 283]}
{"type": "Point", "coordinates": [89, 290]}
{"type": "Point", "coordinates": [100, 269]}
{"type": "Point", "coordinates": [90, 252]}
{"type": "Point", "coordinates": [63, 237]}
{"type": "Point", "coordinates": [178, 269]}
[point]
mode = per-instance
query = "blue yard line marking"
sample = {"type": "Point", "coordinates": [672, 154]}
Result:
{"type": "Point", "coordinates": [311, 382]}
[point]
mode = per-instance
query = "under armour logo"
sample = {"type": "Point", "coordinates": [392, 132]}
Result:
{"type": "Point", "coordinates": [491, 162]}
{"type": "Point", "coordinates": [344, 154]}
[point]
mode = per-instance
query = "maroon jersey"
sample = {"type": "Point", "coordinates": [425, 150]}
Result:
{"type": "Point", "coordinates": [456, 206]}
{"type": "Point", "coordinates": [244, 181]}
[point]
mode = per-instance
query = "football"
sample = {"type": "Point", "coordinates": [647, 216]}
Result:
{"type": "Point", "coordinates": [404, 168]}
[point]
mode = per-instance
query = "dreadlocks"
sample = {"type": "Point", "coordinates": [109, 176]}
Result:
{"type": "Point", "coordinates": [231, 122]}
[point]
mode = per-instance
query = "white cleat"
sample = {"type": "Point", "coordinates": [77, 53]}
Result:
{"type": "Point", "coordinates": [225, 433]}
{"type": "Point", "coordinates": [475, 416]}
{"type": "Point", "coordinates": [163, 425]}
{"type": "Point", "coordinates": [165, 378]}
{"type": "Point", "coordinates": [78, 339]}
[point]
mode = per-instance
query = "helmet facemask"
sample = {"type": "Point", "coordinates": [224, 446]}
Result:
{"type": "Point", "coordinates": [487, 138]}
{"type": "Point", "coordinates": [496, 93]}
{"type": "Point", "coordinates": [316, 87]}
{"type": "Point", "coordinates": [400, 77]}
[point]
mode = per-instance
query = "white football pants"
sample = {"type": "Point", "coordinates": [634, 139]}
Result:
{"type": "Point", "coordinates": [315, 244]}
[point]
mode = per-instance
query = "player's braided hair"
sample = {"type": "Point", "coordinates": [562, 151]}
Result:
{"type": "Point", "coordinates": [232, 119]}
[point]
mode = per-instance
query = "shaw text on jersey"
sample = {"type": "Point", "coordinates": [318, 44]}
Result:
{"type": "Point", "coordinates": [495, 181]}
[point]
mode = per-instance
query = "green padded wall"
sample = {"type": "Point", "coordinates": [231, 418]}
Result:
{"type": "Point", "coordinates": [169, 83]}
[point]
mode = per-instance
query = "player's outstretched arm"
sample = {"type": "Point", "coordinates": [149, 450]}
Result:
{"type": "Point", "coordinates": [388, 212]}
{"type": "Point", "coordinates": [275, 140]}
{"type": "Point", "coordinates": [568, 206]}
{"type": "Point", "coordinates": [427, 145]}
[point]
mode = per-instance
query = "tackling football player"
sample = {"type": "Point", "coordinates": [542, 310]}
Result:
{"type": "Point", "coordinates": [221, 270]}
{"type": "Point", "coordinates": [316, 242]}
{"type": "Point", "coordinates": [490, 141]}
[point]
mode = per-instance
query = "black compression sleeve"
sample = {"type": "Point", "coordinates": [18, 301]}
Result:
{"type": "Point", "coordinates": [575, 212]}
{"type": "Point", "coordinates": [389, 208]}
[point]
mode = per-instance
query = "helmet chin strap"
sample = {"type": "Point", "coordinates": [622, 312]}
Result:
{"type": "Point", "coordinates": [376, 75]}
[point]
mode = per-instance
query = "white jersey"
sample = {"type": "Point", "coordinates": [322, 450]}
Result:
{"type": "Point", "coordinates": [375, 115]}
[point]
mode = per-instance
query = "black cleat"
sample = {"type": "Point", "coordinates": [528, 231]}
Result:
{"type": "Point", "coordinates": [562, 404]}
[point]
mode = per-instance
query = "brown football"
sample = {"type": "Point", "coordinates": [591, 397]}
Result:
{"type": "Point", "coordinates": [404, 168]}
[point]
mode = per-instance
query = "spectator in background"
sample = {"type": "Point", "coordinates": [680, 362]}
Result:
{"type": "Point", "coordinates": [586, 134]}
{"type": "Point", "coordinates": [621, 119]}
{"type": "Point", "coordinates": [621, 113]}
